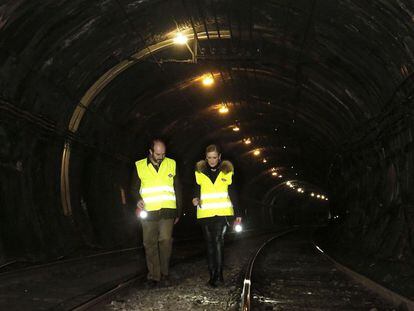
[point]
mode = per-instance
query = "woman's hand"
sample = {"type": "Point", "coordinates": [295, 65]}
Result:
{"type": "Point", "coordinates": [196, 201]}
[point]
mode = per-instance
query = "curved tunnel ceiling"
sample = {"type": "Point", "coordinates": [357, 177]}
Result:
{"type": "Point", "coordinates": [299, 77]}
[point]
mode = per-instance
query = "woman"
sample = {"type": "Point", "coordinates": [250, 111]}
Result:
{"type": "Point", "coordinates": [216, 202]}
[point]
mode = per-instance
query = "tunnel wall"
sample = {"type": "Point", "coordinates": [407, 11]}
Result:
{"type": "Point", "coordinates": [33, 226]}
{"type": "Point", "coordinates": [31, 221]}
{"type": "Point", "coordinates": [373, 185]}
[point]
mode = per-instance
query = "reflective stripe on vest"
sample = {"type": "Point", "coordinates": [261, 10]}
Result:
{"type": "Point", "coordinates": [157, 188]}
{"type": "Point", "coordinates": [214, 198]}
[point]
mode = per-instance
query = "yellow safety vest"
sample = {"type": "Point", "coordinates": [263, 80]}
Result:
{"type": "Point", "coordinates": [157, 188]}
{"type": "Point", "coordinates": [214, 198]}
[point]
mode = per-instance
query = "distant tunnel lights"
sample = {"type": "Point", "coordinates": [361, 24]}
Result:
{"type": "Point", "coordinates": [236, 128]}
{"type": "Point", "coordinates": [223, 109]}
{"type": "Point", "coordinates": [247, 141]}
{"type": "Point", "coordinates": [256, 152]}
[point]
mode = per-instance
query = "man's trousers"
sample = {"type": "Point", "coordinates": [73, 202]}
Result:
{"type": "Point", "coordinates": [157, 236]}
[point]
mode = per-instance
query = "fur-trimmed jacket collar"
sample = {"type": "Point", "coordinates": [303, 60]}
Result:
{"type": "Point", "coordinates": [225, 166]}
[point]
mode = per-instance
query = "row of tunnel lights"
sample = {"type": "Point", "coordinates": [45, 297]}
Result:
{"type": "Point", "coordinates": [312, 194]}
{"type": "Point", "coordinates": [247, 141]}
{"type": "Point", "coordinates": [208, 80]}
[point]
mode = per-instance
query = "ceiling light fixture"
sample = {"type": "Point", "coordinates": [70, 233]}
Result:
{"type": "Point", "coordinates": [208, 80]}
{"type": "Point", "coordinates": [180, 39]}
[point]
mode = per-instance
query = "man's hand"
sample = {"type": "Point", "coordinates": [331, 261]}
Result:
{"type": "Point", "coordinates": [140, 204]}
{"type": "Point", "coordinates": [196, 201]}
{"type": "Point", "coordinates": [237, 221]}
{"type": "Point", "coordinates": [177, 219]}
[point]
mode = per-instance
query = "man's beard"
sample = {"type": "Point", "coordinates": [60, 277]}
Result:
{"type": "Point", "coordinates": [158, 161]}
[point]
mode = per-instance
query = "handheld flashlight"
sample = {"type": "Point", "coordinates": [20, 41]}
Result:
{"type": "Point", "coordinates": [238, 228]}
{"type": "Point", "coordinates": [142, 213]}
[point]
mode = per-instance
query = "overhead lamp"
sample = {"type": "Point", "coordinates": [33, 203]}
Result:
{"type": "Point", "coordinates": [280, 176]}
{"type": "Point", "coordinates": [236, 128]}
{"type": "Point", "coordinates": [299, 189]}
{"type": "Point", "coordinates": [318, 196]}
{"type": "Point", "coordinates": [312, 194]}
{"type": "Point", "coordinates": [180, 39]}
{"type": "Point", "coordinates": [288, 183]}
{"type": "Point", "coordinates": [322, 197]}
{"type": "Point", "coordinates": [223, 108]}
{"type": "Point", "coordinates": [274, 174]}
{"type": "Point", "coordinates": [326, 199]}
{"type": "Point", "coordinates": [264, 161]}
{"type": "Point", "coordinates": [256, 152]}
{"type": "Point", "coordinates": [208, 80]}
{"type": "Point", "coordinates": [273, 169]}
{"type": "Point", "coordinates": [247, 141]}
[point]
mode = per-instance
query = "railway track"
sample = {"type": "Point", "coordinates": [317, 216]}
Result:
{"type": "Point", "coordinates": [289, 272]}
{"type": "Point", "coordinates": [67, 284]}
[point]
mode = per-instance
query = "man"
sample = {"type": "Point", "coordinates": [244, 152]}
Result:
{"type": "Point", "coordinates": [155, 190]}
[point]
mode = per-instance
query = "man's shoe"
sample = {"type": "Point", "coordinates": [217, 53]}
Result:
{"type": "Point", "coordinates": [165, 281]}
{"type": "Point", "coordinates": [151, 284]}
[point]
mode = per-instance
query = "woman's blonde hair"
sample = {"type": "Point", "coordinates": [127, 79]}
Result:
{"type": "Point", "coordinates": [212, 148]}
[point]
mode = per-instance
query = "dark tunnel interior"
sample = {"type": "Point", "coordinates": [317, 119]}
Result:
{"type": "Point", "coordinates": [312, 100]}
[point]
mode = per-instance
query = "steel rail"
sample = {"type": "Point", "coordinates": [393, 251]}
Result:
{"type": "Point", "coordinates": [62, 261]}
{"type": "Point", "coordinates": [56, 262]}
{"type": "Point", "coordinates": [399, 301]}
{"type": "Point", "coordinates": [93, 302]}
{"type": "Point", "coordinates": [247, 282]}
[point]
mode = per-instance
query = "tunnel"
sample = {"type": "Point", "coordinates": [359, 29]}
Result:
{"type": "Point", "coordinates": [311, 100]}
